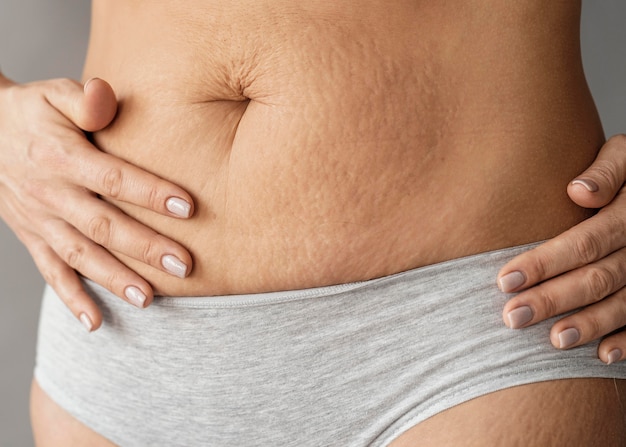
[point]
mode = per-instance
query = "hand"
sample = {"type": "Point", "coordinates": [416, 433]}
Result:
{"type": "Point", "coordinates": [583, 268]}
{"type": "Point", "coordinates": [50, 176]}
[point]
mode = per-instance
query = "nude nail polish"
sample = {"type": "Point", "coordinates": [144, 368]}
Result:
{"type": "Point", "coordinates": [86, 321]}
{"type": "Point", "coordinates": [614, 356]}
{"type": "Point", "coordinates": [87, 83]}
{"type": "Point", "coordinates": [174, 266]}
{"type": "Point", "coordinates": [178, 207]}
{"type": "Point", "coordinates": [590, 185]}
{"type": "Point", "coordinates": [568, 337]}
{"type": "Point", "coordinates": [519, 317]}
{"type": "Point", "coordinates": [135, 296]}
{"type": "Point", "coordinates": [511, 281]}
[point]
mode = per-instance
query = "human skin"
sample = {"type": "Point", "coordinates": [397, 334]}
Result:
{"type": "Point", "coordinates": [279, 188]}
{"type": "Point", "coordinates": [48, 211]}
{"type": "Point", "coordinates": [50, 176]}
{"type": "Point", "coordinates": [581, 268]}
{"type": "Point", "coordinates": [287, 198]}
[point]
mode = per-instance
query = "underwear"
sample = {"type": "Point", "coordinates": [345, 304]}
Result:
{"type": "Point", "coordinates": [348, 365]}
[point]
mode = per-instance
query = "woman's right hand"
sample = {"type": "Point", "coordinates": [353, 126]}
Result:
{"type": "Point", "coordinates": [50, 179]}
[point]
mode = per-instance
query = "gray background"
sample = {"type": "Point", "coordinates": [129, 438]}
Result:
{"type": "Point", "coordinates": [41, 39]}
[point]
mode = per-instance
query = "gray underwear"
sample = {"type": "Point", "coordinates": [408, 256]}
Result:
{"type": "Point", "coordinates": [347, 365]}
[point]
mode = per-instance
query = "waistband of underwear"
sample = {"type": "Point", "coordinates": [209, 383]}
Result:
{"type": "Point", "coordinates": [267, 298]}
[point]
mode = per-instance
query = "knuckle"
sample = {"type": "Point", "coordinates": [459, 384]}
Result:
{"type": "Point", "coordinates": [609, 231]}
{"type": "Point", "coordinates": [149, 253]}
{"type": "Point", "coordinates": [587, 247]}
{"type": "Point", "coordinates": [549, 303]}
{"type": "Point", "coordinates": [50, 276]}
{"type": "Point", "coordinates": [46, 154]}
{"type": "Point", "coordinates": [543, 265]}
{"type": "Point", "coordinates": [34, 152]}
{"type": "Point", "coordinates": [62, 85]}
{"type": "Point", "coordinates": [111, 182]}
{"type": "Point", "coordinates": [592, 328]}
{"type": "Point", "coordinates": [612, 223]}
{"type": "Point", "coordinates": [109, 282]}
{"type": "Point", "coordinates": [99, 229]}
{"type": "Point", "coordinates": [36, 191]}
{"type": "Point", "coordinates": [620, 316]}
{"type": "Point", "coordinates": [73, 254]}
{"type": "Point", "coordinates": [610, 168]}
{"type": "Point", "coordinates": [619, 312]}
{"type": "Point", "coordinates": [154, 198]}
{"type": "Point", "coordinates": [608, 171]}
{"type": "Point", "coordinates": [600, 282]}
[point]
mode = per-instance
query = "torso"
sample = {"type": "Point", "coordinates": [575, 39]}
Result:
{"type": "Point", "coordinates": [329, 142]}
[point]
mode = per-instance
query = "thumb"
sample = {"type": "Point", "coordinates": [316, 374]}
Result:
{"type": "Point", "coordinates": [90, 107]}
{"type": "Point", "coordinates": [98, 106]}
{"type": "Point", "coordinates": [599, 183]}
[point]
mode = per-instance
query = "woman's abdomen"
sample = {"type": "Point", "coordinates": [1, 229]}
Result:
{"type": "Point", "coordinates": [336, 155]}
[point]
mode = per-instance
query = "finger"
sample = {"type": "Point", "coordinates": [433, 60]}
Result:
{"type": "Point", "coordinates": [573, 290]}
{"type": "Point", "coordinates": [97, 264]}
{"type": "Point", "coordinates": [613, 348]}
{"type": "Point", "coordinates": [591, 322]}
{"type": "Point", "coordinates": [99, 105]}
{"type": "Point", "coordinates": [583, 244]}
{"type": "Point", "coordinates": [109, 227]}
{"type": "Point", "coordinates": [65, 283]}
{"type": "Point", "coordinates": [90, 107]}
{"type": "Point", "coordinates": [114, 178]}
{"type": "Point", "coordinates": [599, 183]}
{"type": "Point", "coordinates": [109, 176]}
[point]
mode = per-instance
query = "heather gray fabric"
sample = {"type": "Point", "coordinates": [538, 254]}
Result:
{"type": "Point", "coordinates": [348, 365]}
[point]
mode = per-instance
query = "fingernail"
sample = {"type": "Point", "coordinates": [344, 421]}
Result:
{"type": "Point", "coordinates": [178, 207]}
{"type": "Point", "coordinates": [135, 296]}
{"type": "Point", "coordinates": [86, 321]}
{"type": "Point", "coordinates": [511, 281]}
{"type": "Point", "coordinates": [614, 356]}
{"type": "Point", "coordinates": [520, 316]}
{"type": "Point", "coordinates": [174, 265]}
{"type": "Point", "coordinates": [87, 83]}
{"type": "Point", "coordinates": [568, 337]}
{"type": "Point", "coordinates": [590, 185]}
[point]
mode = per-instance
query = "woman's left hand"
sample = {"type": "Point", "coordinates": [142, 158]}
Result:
{"type": "Point", "coordinates": [583, 268]}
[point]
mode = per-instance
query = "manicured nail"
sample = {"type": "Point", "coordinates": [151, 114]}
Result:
{"type": "Point", "coordinates": [519, 317]}
{"type": "Point", "coordinates": [568, 337]}
{"type": "Point", "coordinates": [511, 281]}
{"type": "Point", "coordinates": [178, 207]}
{"type": "Point", "coordinates": [614, 356]}
{"type": "Point", "coordinates": [174, 265]}
{"type": "Point", "coordinates": [590, 185]}
{"type": "Point", "coordinates": [135, 296]}
{"type": "Point", "coordinates": [87, 83]}
{"type": "Point", "coordinates": [84, 318]}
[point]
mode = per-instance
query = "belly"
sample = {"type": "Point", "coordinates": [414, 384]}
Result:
{"type": "Point", "coordinates": [328, 143]}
